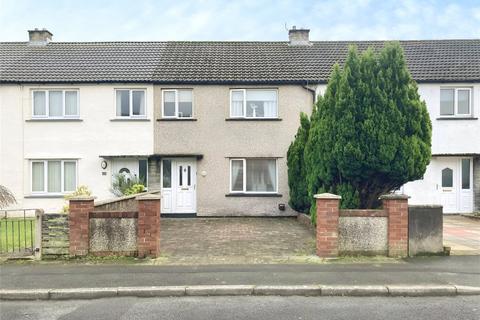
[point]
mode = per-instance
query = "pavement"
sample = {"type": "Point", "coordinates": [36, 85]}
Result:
{"type": "Point", "coordinates": [456, 275]}
{"type": "Point", "coordinates": [461, 234]}
{"type": "Point", "coordinates": [236, 308]}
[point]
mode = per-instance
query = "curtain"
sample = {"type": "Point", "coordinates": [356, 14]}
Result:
{"type": "Point", "coordinates": [270, 109]}
{"type": "Point", "coordinates": [55, 103]}
{"type": "Point", "coordinates": [54, 176]}
{"type": "Point", "coordinates": [447, 101]}
{"type": "Point", "coordinates": [69, 176]}
{"type": "Point", "coordinates": [261, 175]}
{"type": "Point", "coordinates": [71, 103]}
{"type": "Point", "coordinates": [237, 175]}
{"type": "Point", "coordinates": [237, 104]}
{"type": "Point", "coordinates": [123, 103]}
{"type": "Point", "coordinates": [185, 105]}
{"type": "Point", "coordinates": [463, 101]}
{"type": "Point", "coordinates": [265, 102]}
{"type": "Point", "coordinates": [38, 179]}
{"type": "Point", "coordinates": [39, 103]}
{"type": "Point", "coordinates": [169, 103]}
{"type": "Point", "coordinates": [138, 100]}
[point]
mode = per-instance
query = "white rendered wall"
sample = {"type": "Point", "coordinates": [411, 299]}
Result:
{"type": "Point", "coordinates": [22, 139]}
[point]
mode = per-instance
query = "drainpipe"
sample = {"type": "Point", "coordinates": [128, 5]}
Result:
{"type": "Point", "coordinates": [312, 91]}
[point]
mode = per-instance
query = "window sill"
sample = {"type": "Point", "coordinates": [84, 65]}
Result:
{"type": "Point", "coordinates": [129, 119]}
{"type": "Point", "coordinates": [45, 196]}
{"type": "Point", "coordinates": [54, 120]}
{"type": "Point", "coordinates": [254, 195]}
{"type": "Point", "coordinates": [457, 118]}
{"type": "Point", "coordinates": [253, 119]}
{"type": "Point", "coordinates": [177, 119]}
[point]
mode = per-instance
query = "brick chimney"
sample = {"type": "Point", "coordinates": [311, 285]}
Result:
{"type": "Point", "coordinates": [298, 37]}
{"type": "Point", "coordinates": [39, 37]}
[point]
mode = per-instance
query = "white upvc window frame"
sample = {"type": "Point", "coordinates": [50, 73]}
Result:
{"type": "Point", "coordinates": [45, 176]}
{"type": "Point", "coordinates": [47, 104]}
{"type": "Point", "coordinates": [456, 114]}
{"type": "Point", "coordinates": [130, 103]}
{"type": "Point", "coordinates": [244, 161]}
{"type": "Point", "coordinates": [176, 116]}
{"type": "Point", "coordinates": [244, 92]}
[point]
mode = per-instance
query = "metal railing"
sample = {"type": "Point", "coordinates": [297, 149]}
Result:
{"type": "Point", "coordinates": [18, 231]}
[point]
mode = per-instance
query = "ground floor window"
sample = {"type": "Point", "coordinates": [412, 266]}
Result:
{"type": "Point", "coordinates": [253, 175]}
{"type": "Point", "coordinates": [53, 176]}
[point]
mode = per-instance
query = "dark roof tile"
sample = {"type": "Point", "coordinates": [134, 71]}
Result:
{"type": "Point", "coordinates": [221, 62]}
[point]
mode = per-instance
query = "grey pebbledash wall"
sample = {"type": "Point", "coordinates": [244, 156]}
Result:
{"type": "Point", "coordinates": [363, 235]}
{"type": "Point", "coordinates": [476, 184]}
{"type": "Point", "coordinates": [113, 235]}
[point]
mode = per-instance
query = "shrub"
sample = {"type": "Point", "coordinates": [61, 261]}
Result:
{"type": "Point", "coordinates": [371, 132]}
{"type": "Point", "coordinates": [126, 184]}
{"type": "Point", "coordinates": [297, 183]}
{"type": "Point", "coordinates": [81, 191]}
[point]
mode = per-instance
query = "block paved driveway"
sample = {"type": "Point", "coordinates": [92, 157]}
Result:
{"type": "Point", "coordinates": [462, 234]}
{"type": "Point", "coordinates": [234, 240]}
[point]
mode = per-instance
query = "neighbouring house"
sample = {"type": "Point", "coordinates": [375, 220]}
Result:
{"type": "Point", "coordinates": [208, 123]}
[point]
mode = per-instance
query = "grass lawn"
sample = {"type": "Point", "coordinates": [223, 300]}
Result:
{"type": "Point", "coordinates": [16, 234]}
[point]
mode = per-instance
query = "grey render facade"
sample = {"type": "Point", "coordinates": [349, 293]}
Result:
{"type": "Point", "coordinates": [224, 113]}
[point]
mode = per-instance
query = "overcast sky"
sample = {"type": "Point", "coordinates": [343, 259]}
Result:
{"type": "Point", "coordinates": [138, 20]}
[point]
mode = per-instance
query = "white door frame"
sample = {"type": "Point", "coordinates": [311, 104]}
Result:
{"type": "Point", "coordinates": [170, 196]}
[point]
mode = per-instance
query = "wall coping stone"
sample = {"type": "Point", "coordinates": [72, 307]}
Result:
{"type": "Point", "coordinates": [327, 196]}
{"type": "Point", "coordinates": [116, 199]}
{"type": "Point", "coordinates": [112, 214]}
{"type": "Point", "coordinates": [363, 213]}
{"type": "Point", "coordinates": [149, 197]}
{"type": "Point", "coordinates": [394, 196]}
{"type": "Point", "coordinates": [425, 206]}
{"type": "Point", "coordinates": [83, 198]}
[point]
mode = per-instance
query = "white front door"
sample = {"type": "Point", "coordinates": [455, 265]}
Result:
{"type": "Point", "coordinates": [179, 185]}
{"type": "Point", "coordinates": [456, 190]}
{"type": "Point", "coordinates": [449, 185]}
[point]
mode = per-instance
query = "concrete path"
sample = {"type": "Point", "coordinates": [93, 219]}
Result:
{"type": "Point", "coordinates": [461, 234]}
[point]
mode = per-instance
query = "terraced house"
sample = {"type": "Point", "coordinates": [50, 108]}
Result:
{"type": "Point", "coordinates": [207, 123]}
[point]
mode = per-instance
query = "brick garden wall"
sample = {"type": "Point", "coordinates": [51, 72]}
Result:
{"type": "Point", "coordinates": [362, 231]}
{"type": "Point", "coordinates": [115, 232]}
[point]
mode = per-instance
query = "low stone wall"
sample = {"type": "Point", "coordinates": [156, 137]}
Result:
{"type": "Point", "coordinates": [425, 230]}
{"type": "Point", "coordinates": [55, 239]}
{"type": "Point", "coordinates": [113, 232]}
{"type": "Point", "coordinates": [363, 232]}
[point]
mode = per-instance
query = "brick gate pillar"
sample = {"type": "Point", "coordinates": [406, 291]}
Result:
{"type": "Point", "coordinates": [78, 222]}
{"type": "Point", "coordinates": [148, 237]}
{"type": "Point", "coordinates": [327, 224]}
{"type": "Point", "coordinates": [396, 206]}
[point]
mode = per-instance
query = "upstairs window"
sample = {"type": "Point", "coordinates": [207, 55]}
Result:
{"type": "Point", "coordinates": [55, 104]}
{"type": "Point", "coordinates": [455, 102]}
{"type": "Point", "coordinates": [130, 103]}
{"type": "Point", "coordinates": [177, 103]}
{"type": "Point", "coordinates": [253, 103]}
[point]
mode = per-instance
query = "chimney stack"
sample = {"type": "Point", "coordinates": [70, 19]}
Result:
{"type": "Point", "coordinates": [298, 37]}
{"type": "Point", "coordinates": [39, 37]}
